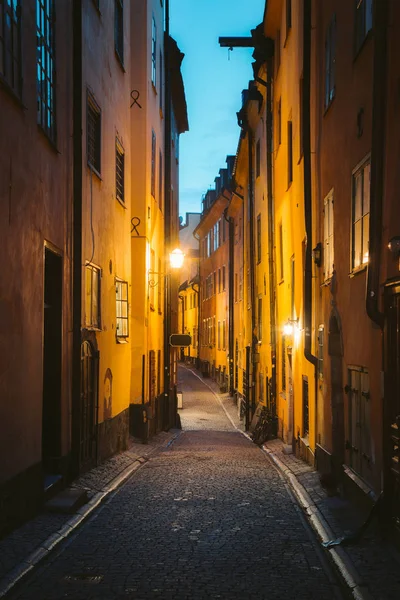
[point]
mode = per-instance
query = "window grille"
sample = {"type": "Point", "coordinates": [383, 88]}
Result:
{"type": "Point", "coordinates": [330, 60]}
{"type": "Point", "coordinates": [121, 290]}
{"type": "Point", "coordinates": [119, 29]}
{"type": "Point", "coordinates": [154, 52]}
{"type": "Point", "coordinates": [10, 44]}
{"type": "Point", "coordinates": [153, 164]}
{"type": "Point", "coordinates": [360, 219]}
{"type": "Point", "coordinates": [92, 296]}
{"type": "Point", "coordinates": [359, 421]}
{"type": "Point", "coordinates": [328, 236]}
{"type": "Point", "coordinates": [93, 134]}
{"type": "Point", "coordinates": [120, 172]}
{"type": "Point", "coordinates": [363, 22]}
{"type": "Point", "coordinates": [46, 69]}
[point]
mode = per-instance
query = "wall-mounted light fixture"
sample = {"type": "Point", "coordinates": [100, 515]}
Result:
{"type": "Point", "coordinates": [176, 258]}
{"type": "Point", "coordinates": [317, 254]}
{"type": "Point", "coordinates": [394, 245]}
{"type": "Point", "coordinates": [289, 326]}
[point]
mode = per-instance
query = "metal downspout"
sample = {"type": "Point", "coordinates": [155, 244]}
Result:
{"type": "Point", "coordinates": [377, 161]}
{"type": "Point", "coordinates": [308, 194]}
{"type": "Point", "coordinates": [77, 235]}
{"type": "Point", "coordinates": [229, 220]}
{"type": "Point", "coordinates": [252, 265]}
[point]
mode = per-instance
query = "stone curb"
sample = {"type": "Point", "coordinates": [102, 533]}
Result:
{"type": "Point", "coordinates": [82, 514]}
{"type": "Point", "coordinates": [338, 555]}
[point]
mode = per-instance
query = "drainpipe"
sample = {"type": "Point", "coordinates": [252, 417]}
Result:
{"type": "Point", "coordinates": [308, 194]}
{"type": "Point", "coordinates": [198, 312]}
{"type": "Point", "coordinates": [231, 255]}
{"type": "Point", "coordinates": [181, 298]}
{"type": "Point", "coordinates": [271, 227]}
{"type": "Point", "coordinates": [167, 221]}
{"type": "Point", "coordinates": [250, 138]}
{"type": "Point", "coordinates": [377, 161]}
{"type": "Point", "coordinates": [199, 332]}
{"type": "Point", "coordinates": [77, 234]}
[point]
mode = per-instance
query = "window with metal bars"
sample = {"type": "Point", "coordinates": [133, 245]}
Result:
{"type": "Point", "coordinates": [10, 44]}
{"type": "Point", "coordinates": [121, 292]}
{"type": "Point", "coordinates": [154, 52]}
{"type": "Point", "coordinates": [93, 134]}
{"type": "Point", "coordinates": [119, 171]}
{"type": "Point", "coordinates": [119, 29]}
{"type": "Point", "coordinates": [92, 296]}
{"type": "Point", "coordinates": [46, 67]}
{"type": "Point", "coordinates": [153, 164]}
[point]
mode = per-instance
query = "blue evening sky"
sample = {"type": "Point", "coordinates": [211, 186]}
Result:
{"type": "Point", "coordinates": [213, 86]}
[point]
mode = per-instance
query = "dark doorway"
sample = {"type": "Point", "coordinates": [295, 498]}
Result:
{"type": "Point", "coordinates": [306, 414]}
{"type": "Point", "coordinates": [51, 415]}
{"type": "Point", "coordinates": [392, 402]}
{"type": "Point", "coordinates": [88, 407]}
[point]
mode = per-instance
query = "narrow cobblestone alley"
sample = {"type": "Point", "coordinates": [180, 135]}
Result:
{"type": "Point", "coordinates": [207, 517]}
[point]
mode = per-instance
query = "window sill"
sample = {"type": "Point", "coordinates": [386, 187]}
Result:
{"type": "Point", "coordinates": [358, 270]}
{"type": "Point", "coordinates": [357, 52]}
{"type": "Point", "coordinates": [94, 171]}
{"type": "Point", "coordinates": [327, 282]}
{"type": "Point", "coordinates": [154, 88]}
{"type": "Point", "coordinates": [327, 107]}
{"type": "Point", "coordinates": [13, 95]}
{"type": "Point", "coordinates": [282, 395]}
{"type": "Point", "coordinates": [121, 202]}
{"type": "Point", "coordinates": [281, 281]}
{"type": "Point", "coordinates": [119, 60]}
{"type": "Point", "coordinates": [50, 142]}
{"type": "Point", "coordinates": [92, 328]}
{"type": "Point", "coordinates": [122, 340]}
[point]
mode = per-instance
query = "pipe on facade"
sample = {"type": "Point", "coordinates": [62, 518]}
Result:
{"type": "Point", "coordinates": [167, 221]}
{"type": "Point", "coordinates": [308, 194]}
{"type": "Point", "coordinates": [231, 300]}
{"type": "Point", "coordinates": [198, 307]}
{"type": "Point", "coordinates": [271, 225]}
{"type": "Point", "coordinates": [182, 299]}
{"type": "Point", "coordinates": [379, 93]}
{"type": "Point", "coordinates": [250, 138]}
{"type": "Point", "coordinates": [77, 234]}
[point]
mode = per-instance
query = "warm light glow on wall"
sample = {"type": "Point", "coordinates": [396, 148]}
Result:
{"type": "Point", "coordinates": [176, 258]}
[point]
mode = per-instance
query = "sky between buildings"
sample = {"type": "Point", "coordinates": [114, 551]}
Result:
{"type": "Point", "coordinates": [214, 79]}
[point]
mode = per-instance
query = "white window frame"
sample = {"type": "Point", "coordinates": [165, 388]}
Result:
{"type": "Point", "coordinates": [360, 217]}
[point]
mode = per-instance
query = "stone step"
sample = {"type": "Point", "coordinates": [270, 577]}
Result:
{"type": "Point", "coordinates": [68, 501]}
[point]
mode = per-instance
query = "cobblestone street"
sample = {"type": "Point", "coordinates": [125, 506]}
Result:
{"type": "Point", "coordinates": [208, 516]}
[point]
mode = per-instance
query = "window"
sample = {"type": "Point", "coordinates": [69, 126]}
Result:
{"type": "Point", "coordinates": [360, 219]}
{"type": "Point", "coordinates": [223, 334]}
{"type": "Point", "coordinates": [283, 363]}
{"type": "Point", "coordinates": [236, 288]}
{"type": "Point", "coordinates": [260, 323]}
{"type": "Point", "coordinates": [219, 335]}
{"type": "Point", "coordinates": [278, 50]}
{"type": "Point", "coordinates": [328, 236]}
{"type": "Point", "coordinates": [45, 65]}
{"type": "Point", "coordinates": [292, 287]}
{"type": "Point", "coordinates": [152, 286]}
{"type": "Point", "coordinates": [93, 134]}
{"type": "Point", "coordinates": [240, 292]}
{"type": "Point", "coordinates": [216, 235]}
{"type": "Point", "coordinates": [160, 181]}
{"type": "Point", "coordinates": [330, 60]}
{"type": "Point", "coordinates": [259, 238]}
{"type": "Point", "coordinates": [119, 171]}
{"type": "Point", "coordinates": [92, 296]}
{"type": "Point", "coordinates": [288, 16]}
{"type": "Point", "coordinates": [281, 272]}
{"type": "Point", "coordinates": [279, 122]}
{"type": "Point", "coordinates": [359, 421]}
{"type": "Point", "coordinates": [321, 352]}
{"type": "Point", "coordinates": [290, 152]}
{"type": "Point", "coordinates": [10, 44]}
{"type": "Point", "coordinates": [258, 158]}
{"type": "Point", "coordinates": [223, 278]}
{"type": "Point", "coordinates": [153, 164]}
{"type": "Point", "coordinates": [363, 22]}
{"type": "Point", "coordinates": [161, 81]}
{"type": "Point", "coordinates": [159, 288]}
{"type": "Point", "coordinates": [214, 282]}
{"type": "Point", "coordinates": [306, 411]}
{"type": "Point", "coordinates": [121, 292]}
{"type": "Point", "coordinates": [219, 280]}
{"type": "Point", "coordinates": [301, 116]}
{"type": "Point", "coordinates": [119, 29]}
{"type": "Point", "coordinates": [153, 52]}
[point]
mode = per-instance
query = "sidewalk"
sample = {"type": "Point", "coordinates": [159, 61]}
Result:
{"type": "Point", "coordinates": [26, 546]}
{"type": "Point", "coordinates": [371, 566]}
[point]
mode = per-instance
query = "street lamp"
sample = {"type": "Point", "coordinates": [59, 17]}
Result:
{"type": "Point", "coordinates": [176, 258]}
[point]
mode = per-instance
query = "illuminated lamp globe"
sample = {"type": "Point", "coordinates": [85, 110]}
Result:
{"type": "Point", "coordinates": [288, 329]}
{"type": "Point", "coordinates": [176, 258]}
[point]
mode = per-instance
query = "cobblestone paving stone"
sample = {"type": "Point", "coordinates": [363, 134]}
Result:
{"type": "Point", "coordinates": [23, 541]}
{"type": "Point", "coordinates": [207, 517]}
{"type": "Point", "coordinates": [375, 559]}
